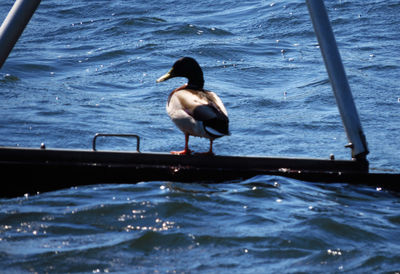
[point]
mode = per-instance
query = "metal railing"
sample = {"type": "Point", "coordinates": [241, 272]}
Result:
{"type": "Point", "coordinates": [116, 135]}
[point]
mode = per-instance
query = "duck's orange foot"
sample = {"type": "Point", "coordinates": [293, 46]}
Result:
{"type": "Point", "coordinates": [182, 152]}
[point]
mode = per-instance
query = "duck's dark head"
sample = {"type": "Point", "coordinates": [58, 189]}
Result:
{"type": "Point", "coordinates": [186, 67]}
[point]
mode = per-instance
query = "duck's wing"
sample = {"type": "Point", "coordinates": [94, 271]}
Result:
{"type": "Point", "coordinates": [205, 107]}
{"type": "Point", "coordinates": [215, 100]}
{"type": "Point", "coordinates": [198, 104]}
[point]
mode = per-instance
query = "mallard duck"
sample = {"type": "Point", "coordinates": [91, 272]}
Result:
{"type": "Point", "coordinates": [194, 110]}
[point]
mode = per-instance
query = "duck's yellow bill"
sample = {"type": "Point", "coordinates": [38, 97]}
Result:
{"type": "Point", "coordinates": [165, 77]}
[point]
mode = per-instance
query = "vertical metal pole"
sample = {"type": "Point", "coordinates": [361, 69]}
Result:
{"type": "Point", "coordinates": [338, 79]}
{"type": "Point", "coordinates": [14, 24]}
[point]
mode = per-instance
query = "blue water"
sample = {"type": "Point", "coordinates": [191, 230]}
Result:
{"type": "Point", "coordinates": [83, 67]}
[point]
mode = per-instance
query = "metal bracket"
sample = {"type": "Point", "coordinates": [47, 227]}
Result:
{"type": "Point", "coordinates": [349, 145]}
{"type": "Point", "coordinates": [116, 135]}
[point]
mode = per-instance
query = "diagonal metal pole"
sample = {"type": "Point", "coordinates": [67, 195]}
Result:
{"type": "Point", "coordinates": [14, 25]}
{"type": "Point", "coordinates": [338, 79]}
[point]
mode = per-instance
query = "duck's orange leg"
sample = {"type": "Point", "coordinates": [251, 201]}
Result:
{"type": "Point", "coordinates": [186, 151]}
{"type": "Point", "coordinates": [210, 151]}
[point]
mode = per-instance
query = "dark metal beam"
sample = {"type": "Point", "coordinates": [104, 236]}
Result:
{"type": "Point", "coordinates": [27, 170]}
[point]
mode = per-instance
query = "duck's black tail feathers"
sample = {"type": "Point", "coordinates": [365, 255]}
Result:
{"type": "Point", "coordinates": [218, 126]}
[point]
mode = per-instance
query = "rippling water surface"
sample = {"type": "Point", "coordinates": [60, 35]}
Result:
{"type": "Point", "coordinates": [83, 67]}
